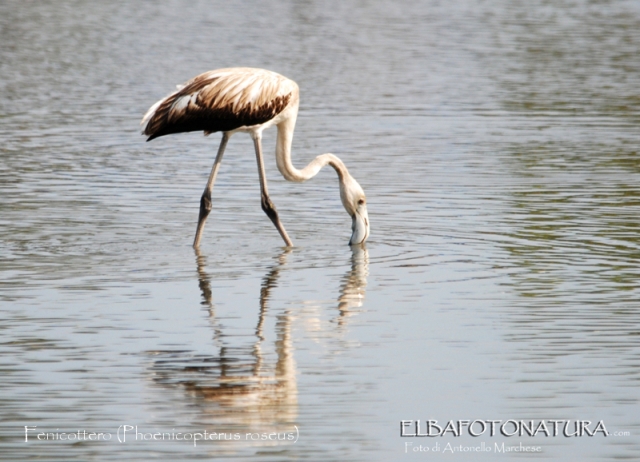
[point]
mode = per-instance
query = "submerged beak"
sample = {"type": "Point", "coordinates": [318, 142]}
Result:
{"type": "Point", "coordinates": [360, 225]}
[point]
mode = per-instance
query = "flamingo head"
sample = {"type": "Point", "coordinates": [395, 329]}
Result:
{"type": "Point", "coordinates": [355, 203]}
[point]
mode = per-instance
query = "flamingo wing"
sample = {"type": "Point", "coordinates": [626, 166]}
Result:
{"type": "Point", "coordinates": [221, 100]}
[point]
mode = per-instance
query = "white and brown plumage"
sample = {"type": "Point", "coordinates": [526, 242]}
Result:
{"type": "Point", "coordinates": [250, 100]}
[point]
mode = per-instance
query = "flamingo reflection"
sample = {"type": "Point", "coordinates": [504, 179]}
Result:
{"type": "Point", "coordinates": [243, 386]}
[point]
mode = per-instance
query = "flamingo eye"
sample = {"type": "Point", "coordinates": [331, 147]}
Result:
{"type": "Point", "coordinates": [361, 201]}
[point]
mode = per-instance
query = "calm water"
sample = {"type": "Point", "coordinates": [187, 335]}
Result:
{"type": "Point", "coordinates": [498, 146]}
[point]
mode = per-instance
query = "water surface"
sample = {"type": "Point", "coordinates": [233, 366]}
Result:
{"type": "Point", "coordinates": [497, 144]}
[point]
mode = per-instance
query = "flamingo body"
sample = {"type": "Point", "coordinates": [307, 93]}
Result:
{"type": "Point", "coordinates": [221, 101]}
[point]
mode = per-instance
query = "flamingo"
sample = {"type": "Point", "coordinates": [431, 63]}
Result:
{"type": "Point", "coordinates": [250, 100]}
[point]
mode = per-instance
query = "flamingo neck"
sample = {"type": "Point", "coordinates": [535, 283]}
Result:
{"type": "Point", "coordinates": [283, 157]}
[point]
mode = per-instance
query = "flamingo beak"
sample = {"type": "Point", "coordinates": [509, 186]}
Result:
{"type": "Point", "coordinates": [360, 225]}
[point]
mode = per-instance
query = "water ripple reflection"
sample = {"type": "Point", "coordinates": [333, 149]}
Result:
{"type": "Point", "coordinates": [249, 386]}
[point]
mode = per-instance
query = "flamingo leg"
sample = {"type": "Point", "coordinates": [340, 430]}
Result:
{"type": "Point", "coordinates": [205, 200]}
{"type": "Point", "coordinates": [267, 205]}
